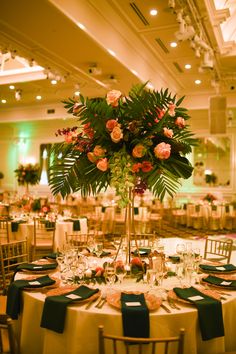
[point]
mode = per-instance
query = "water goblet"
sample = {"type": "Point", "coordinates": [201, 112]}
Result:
{"type": "Point", "coordinates": [98, 249]}
{"type": "Point", "coordinates": [180, 249]}
{"type": "Point", "coordinates": [110, 273]}
{"type": "Point", "coordinates": [151, 278]}
{"type": "Point", "coordinates": [120, 270]}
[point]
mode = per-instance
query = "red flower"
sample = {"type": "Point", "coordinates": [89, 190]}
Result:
{"type": "Point", "coordinates": [136, 167]}
{"type": "Point", "coordinates": [146, 166]}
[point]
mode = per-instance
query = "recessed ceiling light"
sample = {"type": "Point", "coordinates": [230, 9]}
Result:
{"type": "Point", "coordinates": [53, 82]}
{"type": "Point", "coordinates": [4, 101]}
{"type": "Point", "coordinates": [198, 82]}
{"type": "Point", "coordinates": [153, 12]}
{"type": "Point", "coordinates": [38, 97]}
{"type": "Point", "coordinates": [77, 93]}
{"type": "Point", "coordinates": [81, 26]}
{"type": "Point", "coordinates": [12, 87]}
{"type": "Point", "coordinates": [188, 66]}
{"type": "Point", "coordinates": [111, 52]}
{"type": "Point", "coordinates": [173, 44]}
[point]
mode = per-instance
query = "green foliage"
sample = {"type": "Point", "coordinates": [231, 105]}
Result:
{"type": "Point", "coordinates": [27, 174]}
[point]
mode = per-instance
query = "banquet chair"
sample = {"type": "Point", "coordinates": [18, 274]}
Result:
{"type": "Point", "coordinates": [142, 240]}
{"type": "Point", "coordinates": [218, 250]}
{"type": "Point", "coordinates": [4, 231]}
{"type": "Point", "coordinates": [8, 339]}
{"type": "Point", "coordinates": [76, 239]}
{"type": "Point", "coordinates": [117, 342]}
{"type": "Point", "coordinates": [43, 238]}
{"type": "Point", "coordinates": [12, 254]}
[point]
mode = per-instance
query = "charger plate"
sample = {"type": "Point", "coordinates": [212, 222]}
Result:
{"type": "Point", "coordinates": [153, 302]}
{"type": "Point", "coordinates": [223, 277]}
{"type": "Point", "coordinates": [215, 264]}
{"type": "Point", "coordinates": [172, 295]}
{"type": "Point", "coordinates": [68, 288]}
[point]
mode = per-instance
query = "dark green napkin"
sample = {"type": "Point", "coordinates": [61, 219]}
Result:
{"type": "Point", "coordinates": [174, 258]}
{"type": "Point", "coordinates": [229, 284]}
{"type": "Point", "coordinates": [54, 310]}
{"type": "Point", "coordinates": [49, 225]}
{"type": "Point", "coordinates": [15, 225]}
{"type": "Point", "coordinates": [135, 319]}
{"type": "Point", "coordinates": [209, 312]}
{"type": "Point", "coordinates": [136, 211]}
{"type": "Point", "coordinates": [53, 255]}
{"type": "Point", "coordinates": [142, 252]}
{"type": "Point", "coordinates": [76, 225]}
{"type": "Point", "coordinates": [14, 293]}
{"type": "Point", "coordinates": [220, 268]}
{"type": "Point", "coordinates": [36, 267]}
{"type": "Point", "coordinates": [105, 254]}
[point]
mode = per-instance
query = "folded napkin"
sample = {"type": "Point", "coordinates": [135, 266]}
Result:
{"type": "Point", "coordinates": [105, 254]}
{"type": "Point", "coordinates": [142, 252]}
{"type": "Point", "coordinates": [14, 293]}
{"type": "Point", "coordinates": [209, 312]}
{"type": "Point", "coordinates": [136, 211]}
{"type": "Point", "coordinates": [15, 225]}
{"type": "Point", "coordinates": [135, 315]}
{"type": "Point", "coordinates": [49, 225]}
{"type": "Point", "coordinates": [226, 283]}
{"type": "Point", "coordinates": [76, 225]}
{"type": "Point", "coordinates": [54, 310]}
{"type": "Point", "coordinates": [174, 258]}
{"type": "Point", "coordinates": [36, 267]}
{"type": "Point", "coordinates": [220, 268]}
{"type": "Point", "coordinates": [53, 255]}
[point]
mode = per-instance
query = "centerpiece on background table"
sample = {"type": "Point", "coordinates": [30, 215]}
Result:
{"type": "Point", "coordinates": [27, 175]}
{"type": "Point", "coordinates": [131, 143]}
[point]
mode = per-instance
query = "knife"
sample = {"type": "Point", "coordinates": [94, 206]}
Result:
{"type": "Point", "coordinates": [165, 308]}
{"type": "Point", "coordinates": [89, 304]}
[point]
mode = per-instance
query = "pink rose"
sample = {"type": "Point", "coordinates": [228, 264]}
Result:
{"type": "Point", "coordinates": [168, 132]}
{"type": "Point", "coordinates": [91, 157]}
{"type": "Point", "coordinates": [162, 151]}
{"type": "Point", "coordinates": [139, 151]}
{"type": "Point", "coordinates": [99, 151]}
{"type": "Point", "coordinates": [146, 166]}
{"type": "Point", "coordinates": [180, 122]}
{"type": "Point", "coordinates": [113, 97]}
{"type": "Point", "coordinates": [172, 109]}
{"type": "Point", "coordinates": [111, 124]}
{"type": "Point", "coordinates": [116, 134]}
{"type": "Point", "coordinates": [102, 164]}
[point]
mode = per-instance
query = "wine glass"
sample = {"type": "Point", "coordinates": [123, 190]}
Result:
{"type": "Point", "coordinates": [151, 278]}
{"type": "Point", "coordinates": [98, 249]}
{"type": "Point", "coordinates": [179, 270]}
{"type": "Point", "coordinates": [110, 273]}
{"type": "Point", "coordinates": [120, 270]}
{"type": "Point", "coordinates": [91, 244]}
{"type": "Point", "coordinates": [180, 249]}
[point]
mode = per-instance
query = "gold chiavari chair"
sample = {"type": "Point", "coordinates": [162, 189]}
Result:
{"type": "Point", "coordinates": [12, 254]}
{"type": "Point", "coordinates": [4, 231]}
{"type": "Point", "coordinates": [218, 250]}
{"type": "Point", "coordinates": [43, 238]}
{"type": "Point", "coordinates": [76, 239]}
{"type": "Point", "coordinates": [169, 345]}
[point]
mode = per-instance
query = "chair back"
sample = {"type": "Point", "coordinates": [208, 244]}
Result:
{"type": "Point", "coordinates": [13, 341]}
{"type": "Point", "coordinates": [4, 231]}
{"type": "Point", "coordinates": [12, 254]}
{"type": "Point", "coordinates": [142, 240]}
{"type": "Point", "coordinates": [76, 239]}
{"type": "Point", "coordinates": [218, 250]}
{"type": "Point", "coordinates": [44, 237]}
{"type": "Point", "coordinates": [169, 345]}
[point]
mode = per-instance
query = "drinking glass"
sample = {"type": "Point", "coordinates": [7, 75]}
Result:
{"type": "Point", "coordinates": [120, 271]}
{"type": "Point", "coordinates": [91, 244]}
{"type": "Point", "coordinates": [110, 273]}
{"type": "Point", "coordinates": [180, 249]}
{"type": "Point", "coordinates": [151, 278]}
{"type": "Point", "coordinates": [179, 270]}
{"type": "Point", "coordinates": [98, 249]}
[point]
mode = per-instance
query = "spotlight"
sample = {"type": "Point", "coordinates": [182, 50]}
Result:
{"type": "Point", "coordinates": [179, 17]}
{"type": "Point", "coordinates": [171, 4]}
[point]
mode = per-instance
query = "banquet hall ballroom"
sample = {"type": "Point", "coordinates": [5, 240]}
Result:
{"type": "Point", "coordinates": [57, 56]}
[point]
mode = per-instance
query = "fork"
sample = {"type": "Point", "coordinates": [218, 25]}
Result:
{"type": "Point", "coordinates": [101, 301]}
{"type": "Point", "coordinates": [172, 304]}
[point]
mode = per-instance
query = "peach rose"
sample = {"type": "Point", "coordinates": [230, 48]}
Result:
{"type": "Point", "coordinates": [111, 124]}
{"type": "Point", "coordinates": [99, 151]}
{"type": "Point", "coordinates": [146, 166]}
{"type": "Point", "coordinates": [162, 151]}
{"type": "Point", "coordinates": [102, 164]}
{"type": "Point", "coordinates": [113, 97]}
{"type": "Point", "coordinates": [139, 151]}
{"type": "Point", "coordinates": [116, 134]}
{"type": "Point", "coordinates": [168, 132]}
{"type": "Point", "coordinates": [172, 109]}
{"type": "Point", "coordinates": [180, 122]}
{"type": "Point", "coordinates": [91, 157]}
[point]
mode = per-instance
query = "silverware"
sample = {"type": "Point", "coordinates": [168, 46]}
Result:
{"type": "Point", "coordinates": [172, 304]}
{"type": "Point", "coordinates": [89, 304]}
{"type": "Point", "coordinates": [165, 308]}
{"type": "Point", "coordinates": [100, 302]}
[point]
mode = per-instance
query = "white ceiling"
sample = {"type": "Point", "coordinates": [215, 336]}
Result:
{"type": "Point", "coordinates": [48, 33]}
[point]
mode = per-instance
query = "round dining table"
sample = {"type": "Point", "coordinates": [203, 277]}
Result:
{"type": "Point", "coordinates": [80, 335]}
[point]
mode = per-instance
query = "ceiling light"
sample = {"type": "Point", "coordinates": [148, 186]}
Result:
{"type": "Point", "coordinates": [153, 12]}
{"type": "Point", "coordinates": [187, 66]}
{"type": "Point", "coordinates": [198, 82]}
{"type": "Point", "coordinates": [4, 101]}
{"type": "Point", "coordinates": [53, 82]}
{"type": "Point", "coordinates": [171, 4]}
{"type": "Point", "coordinates": [173, 44]}
{"type": "Point", "coordinates": [111, 52]}
{"type": "Point", "coordinates": [38, 97]}
{"type": "Point", "coordinates": [81, 26]}
{"type": "Point", "coordinates": [12, 87]}
{"type": "Point", "coordinates": [18, 95]}
{"type": "Point", "coordinates": [77, 93]}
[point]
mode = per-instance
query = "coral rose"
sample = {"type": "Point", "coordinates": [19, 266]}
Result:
{"type": "Point", "coordinates": [116, 134]}
{"type": "Point", "coordinates": [99, 151]}
{"type": "Point", "coordinates": [146, 166]}
{"type": "Point", "coordinates": [91, 157]}
{"type": "Point", "coordinates": [168, 132]}
{"type": "Point", "coordinates": [138, 151]}
{"type": "Point", "coordinates": [111, 124]}
{"type": "Point", "coordinates": [172, 109]}
{"type": "Point", "coordinates": [113, 97]}
{"type": "Point", "coordinates": [162, 151]}
{"type": "Point", "coordinates": [180, 122]}
{"type": "Point", "coordinates": [102, 164]}
{"type": "Point", "coordinates": [136, 167]}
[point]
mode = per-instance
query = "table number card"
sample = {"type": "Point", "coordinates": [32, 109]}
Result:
{"type": "Point", "coordinates": [195, 298]}
{"type": "Point", "coordinates": [34, 282]}
{"type": "Point", "coordinates": [73, 296]}
{"type": "Point", "coordinates": [134, 303]}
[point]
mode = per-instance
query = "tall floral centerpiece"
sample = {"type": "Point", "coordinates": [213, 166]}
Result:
{"type": "Point", "coordinates": [27, 174]}
{"type": "Point", "coordinates": [130, 143]}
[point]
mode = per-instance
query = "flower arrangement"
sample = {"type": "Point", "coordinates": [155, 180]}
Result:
{"type": "Point", "coordinates": [27, 174]}
{"type": "Point", "coordinates": [134, 142]}
{"type": "Point", "coordinates": [209, 198]}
